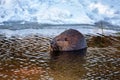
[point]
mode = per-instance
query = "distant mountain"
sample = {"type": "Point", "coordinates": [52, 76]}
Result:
{"type": "Point", "coordinates": [107, 25]}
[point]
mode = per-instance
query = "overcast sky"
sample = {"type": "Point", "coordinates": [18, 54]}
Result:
{"type": "Point", "coordinates": [60, 11]}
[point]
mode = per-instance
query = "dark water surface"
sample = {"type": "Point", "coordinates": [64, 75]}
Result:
{"type": "Point", "coordinates": [29, 59]}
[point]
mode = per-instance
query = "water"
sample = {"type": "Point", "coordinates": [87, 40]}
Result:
{"type": "Point", "coordinates": [24, 55]}
{"type": "Point", "coordinates": [28, 58]}
{"type": "Point", "coordinates": [22, 29]}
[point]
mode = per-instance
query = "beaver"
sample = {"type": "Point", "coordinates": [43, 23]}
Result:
{"type": "Point", "coordinates": [69, 40]}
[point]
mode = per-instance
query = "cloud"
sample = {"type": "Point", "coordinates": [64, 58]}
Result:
{"type": "Point", "coordinates": [67, 11]}
{"type": "Point", "coordinates": [54, 13]}
{"type": "Point", "coordinates": [102, 9]}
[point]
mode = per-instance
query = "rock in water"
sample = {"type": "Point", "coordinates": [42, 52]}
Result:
{"type": "Point", "coordinates": [69, 40]}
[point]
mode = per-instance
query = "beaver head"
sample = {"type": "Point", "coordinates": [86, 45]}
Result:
{"type": "Point", "coordinates": [68, 40]}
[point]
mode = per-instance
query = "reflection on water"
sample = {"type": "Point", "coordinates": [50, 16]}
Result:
{"type": "Point", "coordinates": [67, 65]}
{"type": "Point", "coordinates": [29, 59]}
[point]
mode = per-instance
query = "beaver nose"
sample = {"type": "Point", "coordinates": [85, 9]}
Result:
{"type": "Point", "coordinates": [52, 43]}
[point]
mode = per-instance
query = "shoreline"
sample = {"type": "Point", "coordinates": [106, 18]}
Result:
{"type": "Point", "coordinates": [18, 46]}
{"type": "Point", "coordinates": [36, 40]}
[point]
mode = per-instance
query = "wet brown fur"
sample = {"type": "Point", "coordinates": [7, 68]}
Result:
{"type": "Point", "coordinates": [67, 41]}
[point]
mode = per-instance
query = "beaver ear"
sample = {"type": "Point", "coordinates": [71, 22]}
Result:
{"type": "Point", "coordinates": [66, 39]}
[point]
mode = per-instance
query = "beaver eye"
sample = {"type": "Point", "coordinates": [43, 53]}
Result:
{"type": "Point", "coordinates": [66, 39]}
{"type": "Point", "coordinates": [58, 39]}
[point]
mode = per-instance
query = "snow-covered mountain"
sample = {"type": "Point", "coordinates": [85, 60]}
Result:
{"type": "Point", "coordinates": [60, 11]}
